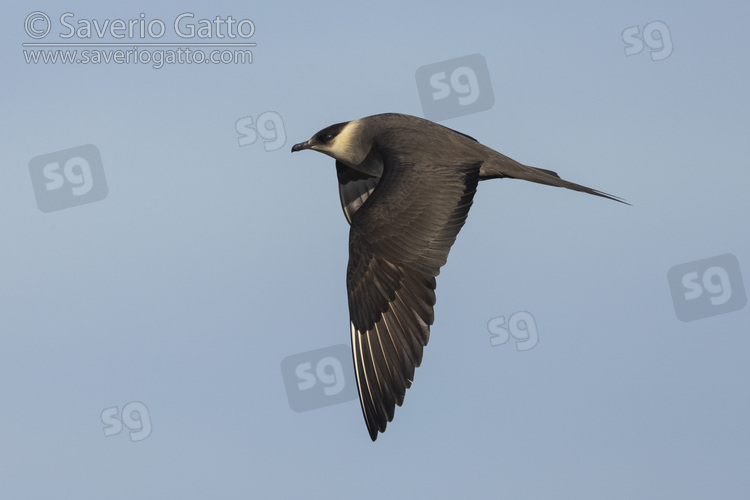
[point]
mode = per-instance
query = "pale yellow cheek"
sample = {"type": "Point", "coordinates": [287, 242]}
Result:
{"type": "Point", "coordinates": [345, 136]}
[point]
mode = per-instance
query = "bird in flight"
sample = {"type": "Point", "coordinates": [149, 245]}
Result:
{"type": "Point", "coordinates": [406, 185]}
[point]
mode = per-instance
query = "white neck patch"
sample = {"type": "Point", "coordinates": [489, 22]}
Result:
{"type": "Point", "coordinates": [344, 146]}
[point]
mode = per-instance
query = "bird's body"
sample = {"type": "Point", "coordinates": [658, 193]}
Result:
{"type": "Point", "coordinates": [406, 185]}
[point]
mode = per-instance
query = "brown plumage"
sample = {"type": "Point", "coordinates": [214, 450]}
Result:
{"type": "Point", "coordinates": [406, 185]}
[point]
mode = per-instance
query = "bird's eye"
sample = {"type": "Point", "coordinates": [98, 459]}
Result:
{"type": "Point", "coordinates": [326, 137]}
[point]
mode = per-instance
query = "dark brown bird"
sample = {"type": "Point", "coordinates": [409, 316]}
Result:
{"type": "Point", "coordinates": [406, 185]}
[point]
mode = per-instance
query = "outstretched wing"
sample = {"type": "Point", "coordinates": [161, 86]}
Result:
{"type": "Point", "coordinates": [398, 241]}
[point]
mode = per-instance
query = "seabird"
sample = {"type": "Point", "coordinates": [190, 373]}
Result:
{"type": "Point", "coordinates": [406, 185]}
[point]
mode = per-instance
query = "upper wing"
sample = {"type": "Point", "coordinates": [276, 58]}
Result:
{"type": "Point", "coordinates": [398, 241]}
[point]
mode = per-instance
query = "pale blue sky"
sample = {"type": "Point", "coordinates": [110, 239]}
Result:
{"type": "Point", "coordinates": [208, 263]}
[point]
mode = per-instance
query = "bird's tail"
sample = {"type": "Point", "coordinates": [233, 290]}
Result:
{"type": "Point", "coordinates": [502, 166]}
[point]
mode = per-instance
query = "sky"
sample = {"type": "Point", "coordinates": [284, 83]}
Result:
{"type": "Point", "coordinates": [173, 311]}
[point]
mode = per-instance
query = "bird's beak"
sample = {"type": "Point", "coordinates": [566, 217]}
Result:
{"type": "Point", "coordinates": [301, 146]}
